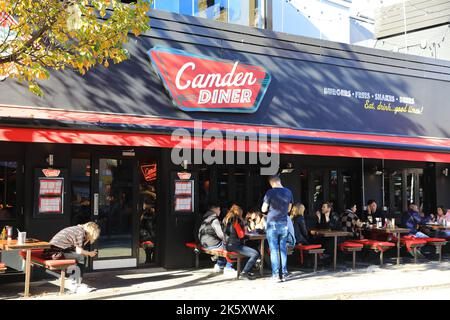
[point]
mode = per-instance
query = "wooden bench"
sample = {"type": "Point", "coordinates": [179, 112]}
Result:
{"type": "Point", "coordinates": [438, 243]}
{"type": "Point", "coordinates": [376, 246]}
{"type": "Point", "coordinates": [230, 256]}
{"type": "Point", "coordinates": [352, 247]}
{"type": "Point", "coordinates": [52, 265]}
{"type": "Point", "coordinates": [314, 249]}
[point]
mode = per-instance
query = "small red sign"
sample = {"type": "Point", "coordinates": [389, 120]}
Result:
{"type": "Point", "coordinates": [184, 175]}
{"type": "Point", "coordinates": [51, 172]}
{"type": "Point", "coordinates": [149, 172]}
{"type": "Point", "coordinates": [201, 83]}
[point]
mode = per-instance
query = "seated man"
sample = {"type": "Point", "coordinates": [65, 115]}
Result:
{"type": "Point", "coordinates": [325, 219]}
{"type": "Point", "coordinates": [210, 235]}
{"type": "Point", "coordinates": [413, 221]}
{"type": "Point", "coordinates": [69, 243]}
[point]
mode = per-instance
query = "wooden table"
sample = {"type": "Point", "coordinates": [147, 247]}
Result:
{"type": "Point", "coordinates": [261, 237]}
{"type": "Point", "coordinates": [438, 227]}
{"type": "Point", "coordinates": [28, 246]}
{"type": "Point", "coordinates": [332, 234]}
{"type": "Point", "coordinates": [397, 232]}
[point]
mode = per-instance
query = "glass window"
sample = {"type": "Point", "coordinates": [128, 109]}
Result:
{"type": "Point", "coordinates": [334, 189]}
{"type": "Point", "coordinates": [347, 190]}
{"type": "Point", "coordinates": [8, 190]}
{"type": "Point", "coordinates": [398, 199]}
{"type": "Point", "coordinates": [211, 9]}
{"type": "Point", "coordinates": [246, 13]}
{"type": "Point", "coordinates": [147, 211]}
{"type": "Point", "coordinates": [317, 184]}
{"type": "Point", "coordinates": [80, 191]}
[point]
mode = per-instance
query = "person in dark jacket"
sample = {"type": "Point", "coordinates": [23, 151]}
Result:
{"type": "Point", "coordinates": [234, 239]}
{"type": "Point", "coordinates": [326, 219]}
{"type": "Point", "coordinates": [298, 219]}
{"type": "Point", "coordinates": [147, 231]}
{"type": "Point", "coordinates": [413, 221]}
{"type": "Point", "coordinates": [210, 236]}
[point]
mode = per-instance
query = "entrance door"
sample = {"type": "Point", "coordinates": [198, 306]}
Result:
{"type": "Point", "coordinates": [406, 186]}
{"type": "Point", "coordinates": [115, 211]}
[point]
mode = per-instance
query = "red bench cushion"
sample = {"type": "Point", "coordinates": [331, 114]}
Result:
{"type": "Point", "coordinates": [375, 244]}
{"type": "Point", "coordinates": [434, 239]}
{"type": "Point", "coordinates": [147, 243]}
{"type": "Point", "coordinates": [36, 256]}
{"type": "Point", "coordinates": [349, 245]}
{"type": "Point", "coordinates": [308, 247]}
{"type": "Point", "coordinates": [191, 245]}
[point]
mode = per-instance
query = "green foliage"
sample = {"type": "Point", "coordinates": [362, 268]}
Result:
{"type": "Point", "coordinates": [59, 34]}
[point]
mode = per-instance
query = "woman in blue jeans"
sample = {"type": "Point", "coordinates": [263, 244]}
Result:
{"type": "Point", "coordinates": [234, 239]}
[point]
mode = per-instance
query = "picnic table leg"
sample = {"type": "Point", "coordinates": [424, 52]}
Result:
{"type": "Point", "coordinates": [261, 266]}
{"type": "Point", "coordinates": [439, 247]}
{"type": "Point", "coordinates": [62, 282]}
{"type": "Point", "coordinates": [398, 248]}
{"type": "Point", "coordinates": [335, 253]}
{"type": "Point", "coordinates": [27, 274]}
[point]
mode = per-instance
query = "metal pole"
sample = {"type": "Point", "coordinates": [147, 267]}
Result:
{"type": "Point", "coordinates": [363, 190]}
{"type": "Point", "coordinates": [382, 182]}
{"type": "Point", "coordinates": [282, 16]}
{"type": "Point", "coordinates": [404, 25]}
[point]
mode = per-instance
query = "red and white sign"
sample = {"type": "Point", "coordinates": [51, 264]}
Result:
{"type": "Point", "coordinates": [200, 83]}
{"type": "Point", "coordinates": [149, 172]}
{"type": "Point", "coordinates": [51, 172]}
{"type": "Point", "coordinates": [184, 175]}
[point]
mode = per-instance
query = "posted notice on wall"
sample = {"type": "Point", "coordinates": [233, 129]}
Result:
{"type": "Point", "coordinates": [50, 196]}
{"type": "Point", "coordinates": [184, 196]}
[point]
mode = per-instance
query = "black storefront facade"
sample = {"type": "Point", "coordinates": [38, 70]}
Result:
{"type": "Point", "coordinates": [353, 124]}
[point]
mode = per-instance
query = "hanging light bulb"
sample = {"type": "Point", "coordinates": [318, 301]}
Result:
{"type": "Point", "coordinates": [74, 17]}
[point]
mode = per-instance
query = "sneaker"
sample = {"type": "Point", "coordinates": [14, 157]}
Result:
{"type": "Point", "coordinates": [217, 269]}
{"type": "Point", "coordinates": [285, 277]}
{"type": "Point", "coordinates": [246, 276]}
{"type": "Point", "coordinates": [229, 272]}
{"type": "Point", "coordinates": [274, 279]}
{"type": "Point", "coordinates": [257, 264]}
{"type": "Point", "coordinates": [84, 288]}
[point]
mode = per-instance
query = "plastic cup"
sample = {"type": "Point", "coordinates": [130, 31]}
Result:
{"type": "Point", "coordinates": [21, 237]}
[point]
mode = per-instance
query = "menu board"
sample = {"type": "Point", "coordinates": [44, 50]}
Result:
{"type": "Point", "coordinates": [184, 196]}
{"type": "Point", "coordinates": [50, 195]}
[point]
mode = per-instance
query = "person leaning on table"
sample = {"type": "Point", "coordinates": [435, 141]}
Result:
{"type": "Point", "coordinates": [69, 243]}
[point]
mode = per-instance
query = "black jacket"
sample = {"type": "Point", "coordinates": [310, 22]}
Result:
{"type": "Point", "coordinates": [333, 224]}
{"type": "Point", "coordinates": [231, 236]}
{"type": "Point", "coordinates": [301, 232]}
{"type": "Point", "coordinates": [147, 230]}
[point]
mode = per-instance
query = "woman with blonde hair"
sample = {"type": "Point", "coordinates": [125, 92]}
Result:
{"type": "Point", "coordinates": [298, 219]}
{"type": "Point", "coordinates": [234, 239]}
{"type": "Point", "coordinates": [69, 243]}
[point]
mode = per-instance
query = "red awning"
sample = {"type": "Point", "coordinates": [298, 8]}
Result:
{"type": "Point", "coordinates": [298, 142]}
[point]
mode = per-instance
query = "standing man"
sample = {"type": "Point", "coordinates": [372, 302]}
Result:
{"type": "Point", "coordinates": [278, 203]}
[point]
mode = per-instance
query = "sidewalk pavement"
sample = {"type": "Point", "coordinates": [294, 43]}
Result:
{"type": "Point", "coordinates": [428, 280]}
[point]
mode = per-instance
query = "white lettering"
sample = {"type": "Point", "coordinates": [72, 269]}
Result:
{"type": "Point", "coordinates": [180, 73]}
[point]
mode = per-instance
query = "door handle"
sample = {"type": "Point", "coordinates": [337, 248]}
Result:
{"type": "Point", "coordinates": [95, 204]}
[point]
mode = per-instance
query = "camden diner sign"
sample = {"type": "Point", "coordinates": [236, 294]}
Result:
{"type": "Point", "coordinates": [201, 83]}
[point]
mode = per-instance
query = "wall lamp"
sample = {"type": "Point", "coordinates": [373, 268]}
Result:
{"type": "Point", "coordinates": [287, 168]}
{"type": "Point", "coordinates": [445, 172]}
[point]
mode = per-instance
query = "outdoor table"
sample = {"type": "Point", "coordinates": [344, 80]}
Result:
{"type": "Point", "coordinates": [28, 246]}
{"type": "Point", "coordinates": [397, 233]}
{"type": "Point", "coordinates": [438, 227]}
{"type": "Point", "coordinates": [261, 237]}
{"type": "Point", "coordinates": [331, 233]}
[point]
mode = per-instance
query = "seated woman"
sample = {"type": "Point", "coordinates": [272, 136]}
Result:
{"type": "Point", "coordinates": [352, 223]}
{"type": "Point", "coordinates": [255, 221]}
{"type": "Point", "coordinates": [298, 219]}
{"type": "Point", "coordinates": [442, 219]}
{"type": "Point", "coordinates": [234, 238]}
{"type": "Point", "coordinates": [413, 221]}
